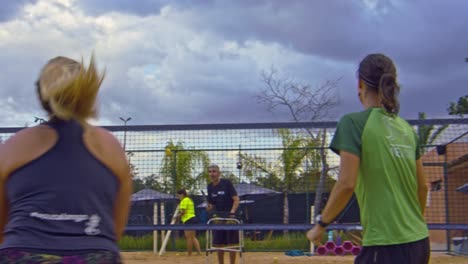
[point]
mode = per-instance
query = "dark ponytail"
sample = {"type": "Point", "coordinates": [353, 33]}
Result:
{"type": "Point", "coordinates": [379, 74]}
{"type": "Point", "coordinates": [388, 93]}
{"type": "Point", "coordinates": [182, 192]}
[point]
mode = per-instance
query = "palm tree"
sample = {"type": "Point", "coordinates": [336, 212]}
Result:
{"type": "Point", "coordinates": [290, 164]}
{"type": "Point", "coordinates": [426, 133]}
{"type": "Point", "coordinates": [185, 168]}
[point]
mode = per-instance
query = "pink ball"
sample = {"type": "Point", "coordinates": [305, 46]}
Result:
{"type": "Point", "coordinates": [322, 250]}
{"type": "Point", "coordinates": [355, 251]}
{"type": "Point", "coordinates": [330, 245]}
{"type": "Point", "coordinates": [339, 250]}
{"type": "Point", "coordinates": [347, 246]}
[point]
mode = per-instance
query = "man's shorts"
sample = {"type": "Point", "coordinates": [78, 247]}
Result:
{"type": "Point", "coordinates": [417, 252]}
{"type": "Point", "coordinates": [225, 237]}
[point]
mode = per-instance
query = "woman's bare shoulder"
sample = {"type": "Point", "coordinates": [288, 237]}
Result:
{"type": "Point", "coordinates": [106, 140]}
{"type": "Point", "coordinates": [107, 148]}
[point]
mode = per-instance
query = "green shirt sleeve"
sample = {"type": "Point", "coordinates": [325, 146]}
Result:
{"type": "Point", "coordinates": [348, 133]}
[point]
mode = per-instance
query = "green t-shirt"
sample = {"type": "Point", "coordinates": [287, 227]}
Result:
{"type": "Point", "coordinates": [387, 185]}
{"type": "Point", "coordinates": [186, 204]}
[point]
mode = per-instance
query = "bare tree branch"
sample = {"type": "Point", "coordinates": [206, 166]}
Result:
{"type": "Point", "coordinates": [303, 102]}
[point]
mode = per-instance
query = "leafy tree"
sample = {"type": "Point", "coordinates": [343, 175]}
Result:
{"type": "Point", "coordinates": [428, 134]}
{"type": "Point", "coordinates": [460, 107]}
{"type": "Point", "coordinates": [183, 168]}
{"type": "Point", "coordinates": [286, 173]}
{"type": "Point", "coordinates": [147, 182]}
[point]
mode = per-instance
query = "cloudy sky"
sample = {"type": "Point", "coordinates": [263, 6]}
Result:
{"type": "Point", "coordinates": [189, 61]}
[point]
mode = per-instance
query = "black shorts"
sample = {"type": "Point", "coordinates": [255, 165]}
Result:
{"type": "Point", "coordinates": [417, 252]}
{"type": "Point", "coordinates": [225, 237]}
{"type": "Point", "coordinates": [192, 221]}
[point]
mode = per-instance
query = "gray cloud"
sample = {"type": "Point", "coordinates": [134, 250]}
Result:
{"type": "Point", "coordinates": [143, 7]}
{"type": "Point", "coordinates": [199, 61]}
{"type": "Point", "coordinates": [426, 45]}
{"type": "Point", "coordinates": [432, 95]}
{"type": "Point", "coordinates": [330, 29]}
{"type": "Point", "coordinates": [427, 37]}
{"type": "Point", "coordinates": [10, 8]}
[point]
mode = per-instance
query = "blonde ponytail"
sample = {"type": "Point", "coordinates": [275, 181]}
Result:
{"type": "Point", "coordinates": [68, 90]}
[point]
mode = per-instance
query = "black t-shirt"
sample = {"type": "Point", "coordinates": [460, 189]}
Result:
{"type": "Point", "coordinates": [221, 195]}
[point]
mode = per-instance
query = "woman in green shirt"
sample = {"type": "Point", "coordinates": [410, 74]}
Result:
{"type": "Point", "coordinates": [187, 216]}
{"type": "Point", "coordinates": [380, 162]}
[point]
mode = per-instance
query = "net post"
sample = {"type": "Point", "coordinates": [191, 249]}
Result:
{"type": "Point", "coordinates": [447, 204]}
{"type": "Point", "coordinates": [163, 218]}
{"type": "Point", "coordinates": [312, 221]}
{"type": "Point", "coordinates": [155, 232]}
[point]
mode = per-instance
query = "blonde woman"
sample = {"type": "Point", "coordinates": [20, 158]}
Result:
{"type": "Point", "coordinates": [65, 185]}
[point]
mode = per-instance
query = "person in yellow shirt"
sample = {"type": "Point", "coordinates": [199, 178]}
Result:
{"type": "Point", "coordinates": [187, 216]}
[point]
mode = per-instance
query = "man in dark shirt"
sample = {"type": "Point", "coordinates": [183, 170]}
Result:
{"type": "Point", "coordinates": [222, 198]}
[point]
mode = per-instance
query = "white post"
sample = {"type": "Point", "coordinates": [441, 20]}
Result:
{"type": "Point", "coordinates": [168, 234]}
{"type": "Point", "coordinates": [163, 219]}
{"type": "Point", "coordinates": [155, 222]}
{"type": "Point", "coordinates": [312, 221]}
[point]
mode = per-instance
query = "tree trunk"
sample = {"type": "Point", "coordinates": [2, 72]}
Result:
{"type": "Point", "coordinates": [285, 212]}
{"type": "Point", "coordinates": [323, 175]}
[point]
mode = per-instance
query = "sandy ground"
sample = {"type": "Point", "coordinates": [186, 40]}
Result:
{"type": "Point", "coordinates": [263, 258]}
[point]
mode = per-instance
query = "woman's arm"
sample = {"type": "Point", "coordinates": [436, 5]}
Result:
{"type": "Point", "coordinates": [181, 213]}
{"type": "Point", "coordinates": [3, 209]}
{"type": "Point", "coordinates": [122, 204]}
{"type": "Point", "coordinates": [344, 187]}
{"type": "Point", "coordinates": [340, 195]}
{"type": "Point", "coordinates": [183, 207]}
{"type": "Point", "coordinates": [114, 156]}
{"type": "Point", "coordinates": [422, 185]}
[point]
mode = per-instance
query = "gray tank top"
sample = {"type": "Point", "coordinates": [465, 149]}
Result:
{"type": "Point", "coordinates": [63, 200]}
